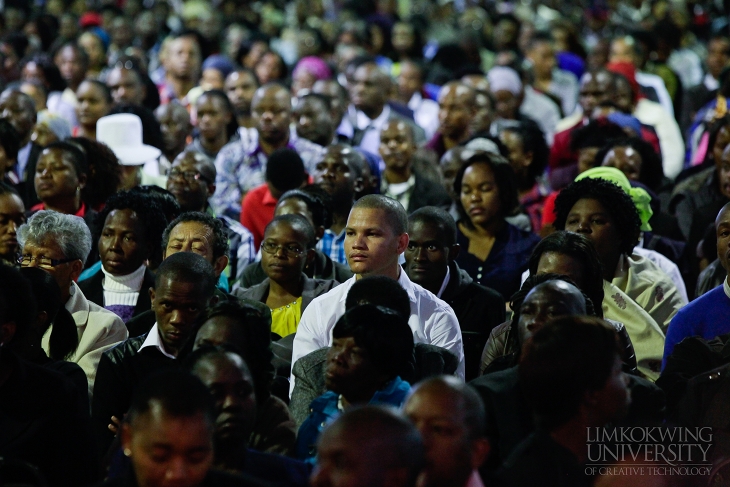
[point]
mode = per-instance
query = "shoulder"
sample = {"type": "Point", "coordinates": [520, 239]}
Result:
{"type": "Point", "coordinates": [100, 317]}
{"type": "Point", "coordinates": [520, 240]}
{"type": "Point", "coordinates": [332, 298]}
{"type": "Point", "coordinates": [126, 349]}
{"type": "Point", "coordinates": [496, 381]}
{"type": "Point", "coordinates": [312, 360]}
{"type": "Point", "coordinates": [706, 304]}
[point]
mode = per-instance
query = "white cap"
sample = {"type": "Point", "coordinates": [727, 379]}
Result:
{"type": "Point", "coordinates": [123, 134]}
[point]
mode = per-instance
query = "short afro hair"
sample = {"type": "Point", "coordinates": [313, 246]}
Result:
{"type": "Point", "coordinates": [298, 223]}
{"type": "Point", "coordinates": [651, 172]}
{"type": "Point", "coordinates": [395, 215]}
{"type": "Point", "coordinates": [438, 217]}
{"type": "Point", "coordinates": [319, 203]}
{"type": "Point", "coordinates": [220, 245]}
{"type": "Point", "coordinates": [190, 268]}
{"type": "Point", "coordinates": [613, 199]}
{"type": "Point", "coordinates": [285, 169]}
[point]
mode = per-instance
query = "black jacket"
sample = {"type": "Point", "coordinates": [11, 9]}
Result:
{"type": "Point", "coordinates": [214, 478]}
{"type": "Point", "coordinates": [120, 371]}
{"type": "Point", "coordinates": [26, 188]}
{"type": "Point", "coordinates": [94, 291]}
{"type": "Point", "coordinates": [478, 308]}
{"type": "Point", "coordinates": [321, 268]}
{"type": "Point", "coordinates": [428, 193]}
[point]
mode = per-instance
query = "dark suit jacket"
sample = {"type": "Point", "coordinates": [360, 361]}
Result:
{"type": "Point", "coordinates": [27, 188]}
{"type": "Point", "coordinates": [94, 292]}
{"type": "Point", "coordinates": [419, 134]}
{"type": "Point", "coordinates": [428, 193]}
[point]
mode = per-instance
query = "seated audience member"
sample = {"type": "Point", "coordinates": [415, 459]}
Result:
{"type": "Point", "coordinates": [176, 128]}
{"type": "Point", "coordinates": [63, 339]}
{"type": "Point", "coordinates": [241, 164]}
{"type": "Point", "coordinates": [184, 286]}
{"type": "Point", "coordinates": [12, 216]}
{"type": "Point", "coordinates": [40, 420]}
{"type": "Point", "coordinates": [215, 122]}
{"type": "Point", "coordinates": [445, 404]}
{"type": "Point", "coordinates": [60, 175]}
{"type": "Point", "coordinates": [308, 70]}
{"type": "Point", "coordinates": [342, 173]}
{"type": "Point", "coordinates": [372, 446]}
{"type": "Point", "coordinates": [240, 86]}
{"type": "Point", "coordinates": [312, 203]}
{"type": "Point", "coordinates": [284, 171]}
{"type": "Point", "coordinates": [248, 329]}
{"type": "Point", "coordinates": [288, 246]}
{"type": "Point", "coordinates": [528, 155]}
{"type": "Point", "coordinates": [400, 180]}
{"type": "Point", "coordinates": [496, 252]}
{"type": "Point", "coordinates": [313, 120]}
{"type": "Point", "coordinates": [59, 244]}
{"type": "Point", "coordinates": [410, 82]}
{"type": "Point", "coordinates": [603, 212]}
{"type": "Point", "coordinates": [9, 157]}
{"type": "Point", "coordinates": [127, 83]}
{"type": "Point", "coordinates": [707, 315]}
{"type": "Point", "coordinates": [573, 255]}
{"type": "Point", "coordinates": [376, 235]}
{"type": "Point", "coordinates": [372, 348]}
{"type": "Point", "coordinates": [571, 376]}
{"type": "Point", "coordinates": [233, 388]}
{"type": "Point", "coordinates": [131, 232]}
{"type": "Point", "coordinates": [431, 263]}
{"type": "Point", "coordinates": [94, 102]}
{"type": "Point", "coordinates": [192, 181]}
{"type": "Point", "coordinates": [172, 412]}
{"type": "Point", "coordinates": [18, 109]}
{"type": "Point", "coordinates": [104, 174]}
{"type": "Point", "coordinates": [457, 106]}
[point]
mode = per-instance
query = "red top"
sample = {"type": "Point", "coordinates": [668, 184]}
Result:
{"type": "Point", "coordinates": [257, 210]}
{"type": "Point", "coordinates": [42, 206]}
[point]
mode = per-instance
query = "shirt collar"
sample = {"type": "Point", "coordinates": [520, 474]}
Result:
{"type": "Point", "coordinates": [726, 287]}
{"type": "Point", "coordinates": [445, 283]}
{"type": "Point", "coordinates": [154, 340]}
{"type": "Point", "coordinates": [363, 121]}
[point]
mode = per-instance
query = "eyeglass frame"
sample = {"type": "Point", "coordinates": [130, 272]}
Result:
{"type": "Point", "coordinates": [54, 262]}
{"type": "Point", "coordinates": [198, 176]}
{"type": "Point", "coordinates": [282, 247]}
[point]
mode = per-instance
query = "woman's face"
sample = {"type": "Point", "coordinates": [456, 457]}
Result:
{"type": "Point", "coordinates": [32, 72]}
{"type": "Point", "coordinates": [480, 195]}
{"type": "Point", "coordinates": [289, 257]}
{"type": "Point", "coordinates": [93, 48]}
{"type": "Point", "coordinates": [43, 135]}
{"type": "Point", "coordinates": [626, 160]}
{"type": "Point", "coordinates": [268, 68]}
{"type": "Point", "coordinates": [591, 219]}
{"type": "Point", "coordinates": [721, 141]}
{"type": "Point", "coordinates": [92, 104]}
{"type": "Point", "coordinates": [55, 176]}
{"type": "Point", "coordinates": [123, 244]}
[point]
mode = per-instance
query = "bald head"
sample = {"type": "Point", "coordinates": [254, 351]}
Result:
{"type": "Point", "coordinates": [271, 114]}
{"type": "Point", "coordinates": [457, 106]}
{"type": "Point", "coordinates": [19, 109]}
{"type": "Point", "coordinates": [546, 301]}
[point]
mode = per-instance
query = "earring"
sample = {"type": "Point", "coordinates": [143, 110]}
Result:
{"type": "Point", "coordinates": [127, 452]}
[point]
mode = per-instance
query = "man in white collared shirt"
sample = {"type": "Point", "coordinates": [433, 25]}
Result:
{"type": "Point", "coordinates": [184, 287]}
{"type": "Point", "coordinates": [375, 236]}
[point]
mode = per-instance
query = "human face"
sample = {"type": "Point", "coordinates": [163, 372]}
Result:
{"type": "Point", "coordinates": [480, 195]}
{"type": "Point", "coordinates": [183, 58]}
{"type": "Point", "coordinates": [93, 48]}
{"type": "Point", "coordinates": [284, 265]}
{"type": "Point", "coordinates": [125, 86]}
{"type": "Point", "coordinates": [723, 172]}
{"type": "Point", "coordinates": [721, 141]}
{"type": "Point", "coordinates": [35, 93]}
{"type": "Point", "coordinates": [32, 72]}
{"type": "Point", "coordinates": [268, 68]}
{"type": "Point", "coordinates": [333, 91]}
{"type": "Point", "coordinates": [346, 459]}
{"type": "Point", "coordinates": [211, 79]}
{"type": "Point", "coordinates": [240, 87]}
{"type": "Point", "coordinates": [55, 176]}
{"type": "Point", "coordinates": [722, 229]}
{"type": "Point", "coordinates": [177, 306]}
{"type": "Point", "coordinates": [546, 301]}
{"type": "Point", "coordinates": [718, 55]}
{"type": "Point", "coordinates": [350, 370]}
{"type": "Point", "coordinates": [313, 122]}
{"type": "Point", "coordinates": [92, 104]}
{"type": "Point", "coordinates": [43, 135]}
{"type": "Point", "coordinates": [231, 385]}
{"type": "Point", "coordinates": [449, 167]}
{"type": "Point", "coordinates": [302, 81]}
{"type": "Point", "coordinates": [368, 92]}
{"type": "Point", "coordinates": [63, 273]}
{"type": "Point", "coordinates": [625, 159]}
{"type": "Point", "coordinates": [271, 113]}
{"type": "Point", "coordinates": [402, 37]}
{"type": "Point", "coordinates": [623, 95]}
{"type": "Point", "coordinates": [542, 56]}
{"type": "Point", "coordinates": [518, 159]}
{"type": "Point", "coordinates": [593, 88]}
{"type": "Point", "coordinates": [483, 116]}
{"type": "Point", "coordinates": [191, 193]}
{"type": "Point", "coordinates": [334, 175]}
{"type": "Point", "coordinates": [219, 330]}
{"type": "Point", "coordinates": [587, 158]}
{"type": "Point", "coordinates": [589, 218]}
{"type": "Point", "coordinates": [506, 104]}
{"type": "Point", "coordinates": [175, 126]}
{"type": "Point", "coordinates": [396, 146]}
{"type": "Point", "coordinates": [440, 420]}
{"type": "Point", "coordinates": [123, 246]}
{"type": "Point", "coordinates": [169, 451]}
{"type": "Point", "coordinates": [12, 215]}
{"type": "Point", "coordinates": [17, 108]}
{"type": "Point", "coordinates": [562, 264]}
{"type": "Point", "coordinates": [371, 246]}
{"type": "Point", "coordinates": [70, 65]}
{"type": "Point", "coordinates": [613, 400]}
{"type": "Point", "coordinates": [456, 107]}
{"type": "Point", "coordinates": [409, 80]}
{"type": "Point", "coordinates": [427, 255]}
{"type": "Point", "coordinates": [213, 116]}
{"type": "Point", "coordinates": [191, 237]}
{"type": "Point", "coordinates": [294, 206]}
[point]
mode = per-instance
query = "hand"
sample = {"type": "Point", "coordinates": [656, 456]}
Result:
{"type": "Point", "coordinates": [115, 425]}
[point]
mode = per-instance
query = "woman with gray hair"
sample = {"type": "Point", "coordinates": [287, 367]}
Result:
{"type": "Point", "coordinates": [59, 244]}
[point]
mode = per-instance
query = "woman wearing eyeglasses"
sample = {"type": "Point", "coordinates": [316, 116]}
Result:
{"type": "Point", "coordinates": [287, 247]}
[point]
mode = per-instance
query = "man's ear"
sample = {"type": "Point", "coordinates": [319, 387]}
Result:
{"type": "Point", "coordinates": [311, 253]}
{"type": "Point", "coordinates": [76, 268]}
{"type": "Point", "coordinates": [480, 449]}
{"type": "Point", "coordinates": [7, 332]}
{"type": "Point", "coordinates": [454, 251]}
{"type": "Point", "coordinates": [220, 264]}
{"type": "Point", "coordinates": [126, 437]}
{"type": "Point", "coordinates": [213, 300]}
{"type": "Point", "coordinates": [152, 296]}
{"type": "Point", "coordinates": [403, 243]}
{"type": "Point", "coordinates": [319, 232]}
{"type": "Point", "coordinates": [529, 156]}
{"type": "Point", "coordinates": [211, 190]}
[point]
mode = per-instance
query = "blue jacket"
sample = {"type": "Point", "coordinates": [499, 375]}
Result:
{"type": "Point", "coordinates": [323, 411]}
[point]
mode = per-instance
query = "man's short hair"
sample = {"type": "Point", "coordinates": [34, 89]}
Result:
{"type": "Point", "coordinates": [319, 203]}
{"type": "Point", "coordinates": [474, 414]}
{"type": "Point", "coordinates": [285, 169]}
{"type": "Point", "coordinates": [187, 267]}
{"type": "Point", "coordinates": [379, 291]}
{"type": "Point", "coordinates": [385, 335]}
{"type": "Point", "coordinates": [324, 99]}
{"type": "Point", "coordinates": [298, 223]}
{"type": "Point", "coordinates": [432, 215]}
{"type": "Point", "coordinates": [69, 232]}
{"type": "Point", "coordinates": [395, 214]}
{"type": "Point", "coordinates": [179, 392]}
{"type": "Point", "coordinates": [220, 244]}
{"type": "Point", "coordinates": [566, 358]}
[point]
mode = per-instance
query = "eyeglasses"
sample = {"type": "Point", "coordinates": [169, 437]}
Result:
{"type": "Point", "coordinates": [191, 176]}
{"type": "Point", "coordinates": [43, 262]}
{"type": "Point", "coordinates": [272, 248]}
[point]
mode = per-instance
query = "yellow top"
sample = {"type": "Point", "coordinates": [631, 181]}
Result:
{"type": "Point", "coordinates": [284, 320]}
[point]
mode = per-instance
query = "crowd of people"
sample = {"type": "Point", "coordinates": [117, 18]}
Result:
{"type": "Point", "coordinates": [361, 243]}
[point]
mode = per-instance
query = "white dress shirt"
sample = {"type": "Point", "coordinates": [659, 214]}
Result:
{"type": "Point", "coordinates": [425, 113]}
{"type": "Point", "coordinates": [371, 139]}
{"type": "Point", "coordinates": [432, 321]}
{"type": "Point", "coordinates": [154, 340]}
